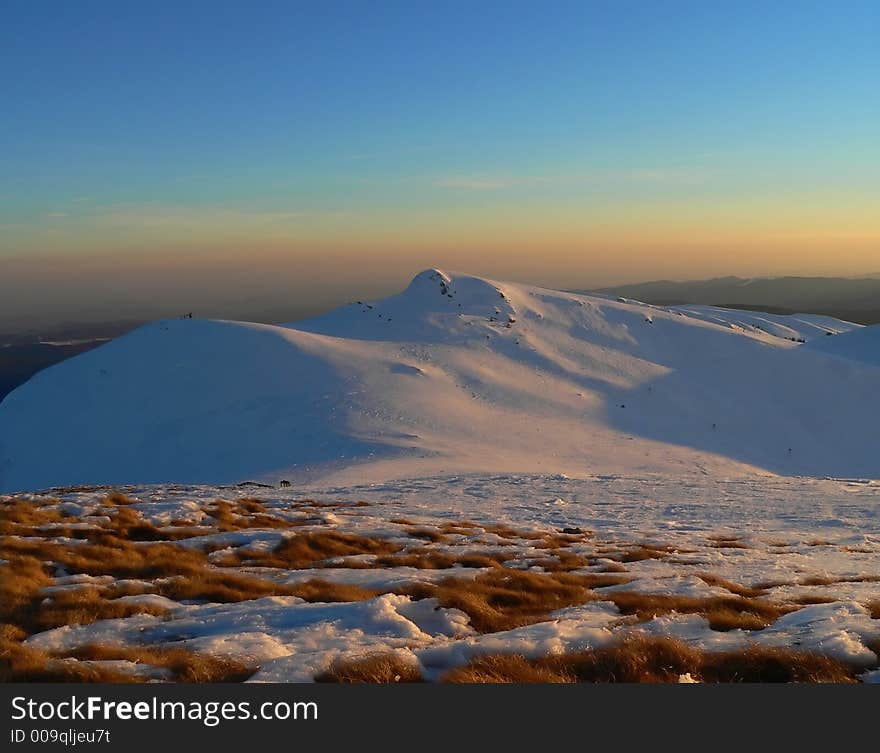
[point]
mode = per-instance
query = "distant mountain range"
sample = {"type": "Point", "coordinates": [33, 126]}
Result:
{"type": "Point", "coordinates": [853, 299]}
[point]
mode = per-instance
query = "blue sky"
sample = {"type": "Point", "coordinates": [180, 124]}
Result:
{"type": "Point", "coordinates": [132, 128]}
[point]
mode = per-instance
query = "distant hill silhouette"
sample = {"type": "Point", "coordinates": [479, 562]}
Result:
{"type": "Point", "coordinates": [852, 299]}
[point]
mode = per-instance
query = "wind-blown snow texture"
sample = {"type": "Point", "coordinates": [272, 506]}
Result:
{"type": "Point", "coordinates": [456, 374]}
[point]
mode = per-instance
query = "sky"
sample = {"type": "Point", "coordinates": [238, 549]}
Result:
{"type": "Point", "coordinates": [200, 154]}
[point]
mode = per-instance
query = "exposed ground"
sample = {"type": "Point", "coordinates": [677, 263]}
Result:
{"type": "Point", "coordinates": [465, 579]}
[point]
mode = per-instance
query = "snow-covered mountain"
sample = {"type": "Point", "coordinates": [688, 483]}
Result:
{"type": "Point", "coordinates": [456, 374]}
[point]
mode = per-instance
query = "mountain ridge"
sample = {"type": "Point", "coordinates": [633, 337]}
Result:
{"type": "Point", "coordinates": [456, 374]}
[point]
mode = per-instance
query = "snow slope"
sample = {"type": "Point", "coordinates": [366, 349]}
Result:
{"type": "Point", "coordinates": [457, 374]}
{"type": "Point", "coordinates": [861, 345]}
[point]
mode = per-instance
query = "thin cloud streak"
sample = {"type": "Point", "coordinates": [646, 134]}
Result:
{"type": "Point", "coordinates": [664, 176]}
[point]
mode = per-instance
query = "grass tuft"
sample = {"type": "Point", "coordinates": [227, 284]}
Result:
{"type": "Point", "coordinates": [647, 659]}
{"type": "Point", "coordinates": [723, 612]}
{"type": "Point", "coordinates": [507, 668]}
{"type": "Point", "coordinates": [379, 668]}
{"type": "Point", "coordinates": [502, 598]}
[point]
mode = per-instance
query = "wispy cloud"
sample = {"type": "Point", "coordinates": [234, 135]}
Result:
{"type": "Point", "coordinates": [666, 176]}
{"type": "Point", "coordinates": [487, 183]}
{"type": "Point", "coordinates": [160, 216]}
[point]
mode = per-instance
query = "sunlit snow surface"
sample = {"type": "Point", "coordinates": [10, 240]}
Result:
{"type": "Point", "coordinates": [787, 530]}
{"type": "Point", "coordinates": [455, 374]}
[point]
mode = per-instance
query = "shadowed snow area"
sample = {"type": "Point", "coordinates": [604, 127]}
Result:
{"type": "Point", "coordinates": [457, 374]}
{"type": "Point", "coordinates": [862, 344]}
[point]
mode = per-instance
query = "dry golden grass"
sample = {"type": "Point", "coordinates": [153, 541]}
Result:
{"type": "Point", "coordinates": [611, 567]}
{"type": "Point", "coordinates": [558, 540]}
{"type": "Point", "coordinates": [424, 559]}
{"type": "Point", "coordinates": [727, 542]}
{"type": "Point", "coordinates": [808, 599]}
{"type": "Point", "coordinates": [225, 587]}
{"type": "Point", "coordinates": [184, 665]}
{"type": "Point", "coordinates": [874, 608]}
{"type": "Point", "coordinates": [115, 499]}
{"type": "Point", "coordinates": [603, 580]}
{"type": "Point", "coordinates": [244, 514]}
{"type": "Point", "coordinates": [313, 504]}
{"type": "Point", "coordinates": [766, 585]}
{"type": "Point", "coordinates": [817, 580]}
{"type": "Point", "coordinates": [25, 609]}
{"type": "Point", "coordinates": [23, 603]}
{"type": "Point", "coordinates": [460, 528]}
{"type": "Point", "coordinates": [129, 547]}
{"type": "Point", "coordinates": [379, 668]}
{"type": "Point", "coordinates": [562, 561]}
{"type": "Point", "coordinates": [644, 552]}
{"type": "Point", "coordinates": [506, 531]}
{"type": "Point", "coordinates": [506, 668]}
{"type": "Point", "coordinates": [764, 664]}
{"type": "Point", "coordinates": [79, 606]}
{"type": "Point", "coordinates": [639, 658]}
{"type": "Point", "coordinates": [501, 599]}
{"type": "Point", "coordinates": [306, 550]}
{"type": "Point", "coordinates": [830, 580]}
{"type": "Point", "coordinates": [182, 575]}
{"type": "Point", "coordinates": [19, 663]}
{"type": "Point", "coordinates": [21, 581]}
{"type": "Point", "coordinates": [722, 612]}
{"type": "Point", "coordinates": [724, 618]}
{"type": "Point", "coordinates": [735, 588]}
{"type": "Point", "coordinates": [116, 557]}
{"type": "Point", "coordinates": [250, 504]}
{"type": "Point", "coordinates": [427, 534]}
{"type": "Point", "coordinates": [317, 589]}
{"type": "Point", "coordinates": [219, 586]}
{"type": "Point", "coordinates": [127, 524]}
{"type": "Point", "coordinates": [46, 522]}
{"type": "Point", "coordinates": [21, 517]}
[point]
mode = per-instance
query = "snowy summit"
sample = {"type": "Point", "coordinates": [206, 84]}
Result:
{"type": "Point", "coordinates": [456, 374]}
